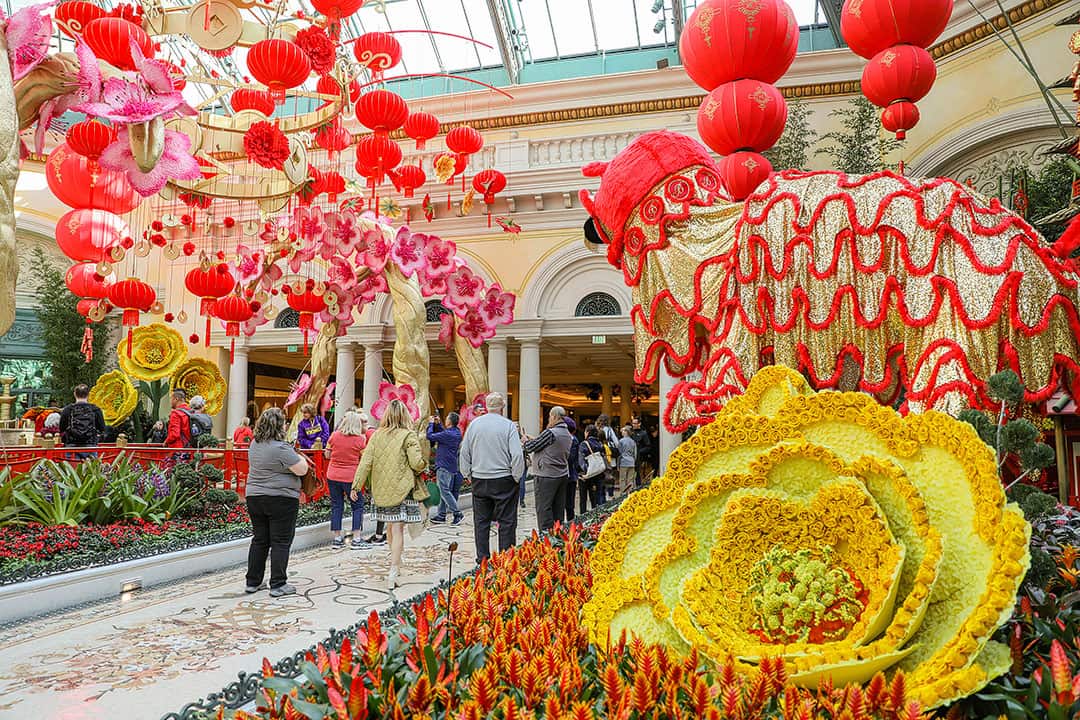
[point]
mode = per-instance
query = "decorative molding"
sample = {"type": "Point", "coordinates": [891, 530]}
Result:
{"type": "Point", "coordinates": [1018, 14]}
{"type": "Point", "coordinates": [567, 275]}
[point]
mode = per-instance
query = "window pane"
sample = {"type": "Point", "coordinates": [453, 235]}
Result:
{"type": "Point", "coordinates": [417, 54]}
{"type": "Point", "coordinates": [534, 16]}
{"type": "Point", "coordinates": [616, 28]}
{"type": "Point", "coordinates": [482, 29]}
{"type": "Point", "coordinates": [573, 28]}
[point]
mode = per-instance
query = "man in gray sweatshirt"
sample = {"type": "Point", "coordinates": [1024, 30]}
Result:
{"type": "Point", "coordinates": [550, 452]}
{"type": "Point", "coordinates": [491, 456]}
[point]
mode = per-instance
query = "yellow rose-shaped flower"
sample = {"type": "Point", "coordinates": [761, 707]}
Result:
{"type": "Point", "coordinates": [156, 352]}
{"type": "Point", "coordinates": [201, 377]}
{"type": "Point", "coordinates": [115, 395]}
{"type": "Point", "coordinates": [841, 536]}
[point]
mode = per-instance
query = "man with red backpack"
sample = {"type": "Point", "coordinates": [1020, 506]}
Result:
{"type": "Point", "coordinates": [82, 423]}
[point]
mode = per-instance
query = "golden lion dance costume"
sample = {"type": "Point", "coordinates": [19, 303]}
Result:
{"type": "Point", "coordinates": [881, 283]}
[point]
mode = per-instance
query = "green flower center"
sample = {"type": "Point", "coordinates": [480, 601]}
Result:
{"type": "Point", "coordinates": [803, 596]}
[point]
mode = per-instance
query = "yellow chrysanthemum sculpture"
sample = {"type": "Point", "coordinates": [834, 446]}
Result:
{"type": "Point", "coordinates": [116, 396]}
{"type": "Point", "coordinates": [201, 377]}
{"type": "Point", "coordinates": [156, 352]}
{"type": "Point", "coordinates": [824, 529]}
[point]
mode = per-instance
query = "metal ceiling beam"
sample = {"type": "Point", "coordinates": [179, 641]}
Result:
{"type": "Point", "coordinates": [831, 8]}
{"type": "Point", "coordinates": [501, 22]}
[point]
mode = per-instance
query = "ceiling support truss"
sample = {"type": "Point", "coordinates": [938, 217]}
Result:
{"type": "Point", "coordinates": [507, 44]}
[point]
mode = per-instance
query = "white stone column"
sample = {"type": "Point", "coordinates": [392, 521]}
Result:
{"type": "Point", "coordinates": [238, 385]}
{"type": "Point", "coordinates": [497, 366]}
{"type": "Point", "coordinates": [668, 440]}
{"type": "Point", "coordinates": [345, 376]}
{"type": "Point", "coordinates": [529, 387]}
{"type": "Point", "coordinates": [373, 370]}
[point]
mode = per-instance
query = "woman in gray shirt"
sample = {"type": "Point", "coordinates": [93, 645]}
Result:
{"type": "Point", "coordinates": [273, 500]}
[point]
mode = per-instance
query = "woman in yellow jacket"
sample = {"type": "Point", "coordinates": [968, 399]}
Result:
{"type": "Point", "coordinates": [389, 465]}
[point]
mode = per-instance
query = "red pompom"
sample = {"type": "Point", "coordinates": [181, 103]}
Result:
{"type": "Point", "coordinates": [159, 240]}
{"type": "Point", "coordinates": [309, 284]}
{"type": "Point", "coordinates": [189, 249]}
{"type": "Point", "coordinates": [256, 306]}
{"type": "Point", "coordinates": [186, 219]}
{"type": "Point", "coordinates": [169, 317]}
{"type": "Point", "coordinates": [157, 226]}
{"type": "Point", "coordinates": [193, 338]}
{"type": "Point", "coordinates": [228, 222]}
{"type": "Point", "coordinates": [320, 49]}
{"type": "Point", "coordinates": [266, 145]}
{"type": "Point", "coordinates": [127, 243]}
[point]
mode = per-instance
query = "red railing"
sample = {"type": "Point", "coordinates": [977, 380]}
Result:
{"type": "Point", "coordinates": [232, 463]}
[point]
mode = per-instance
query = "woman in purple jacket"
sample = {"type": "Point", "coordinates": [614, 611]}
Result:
{"type": "Point", "coordinates": [313, 427]}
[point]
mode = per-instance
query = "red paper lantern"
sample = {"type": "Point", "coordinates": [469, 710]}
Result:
{"type": "Point", "coordinates": [333, 185]}
{"type": "Point", "coordinates": [377, 51]}
{"type": "Point", "coordinates": [464, 140]}
{"type": "Point", "coordinates": [89, 138]}
{"type": "Point", "coordinates": [899, 118]}
{"type": "Point", "coordinates": [279, 65]}
{"type": "Point", "coordinates": [727, 40]}
{"type": "Point", "coordinates": [89, 235]}
{"type": "Point", "coordinates": [327, 85]}
{"type": "Point", "coordinates": [382, 111]}
{"type": "Point", "coordinates": [742, 115]}
{"type": "Point", "coordinates": [870, 26]}
{"type": "Point", "coordinates": [74, 15]}
{"type": "Point", "coordinates": [337, 9]}
{"type": "Point", "coordinates": [489, 183]}
{"type": "Point", "coordinates": [743, 172]}
{"type": "Point", "coordinates": [306, 304]}
{"type": "Point", "coordinates": [208, 284]}
{"type": "Point", "coordinates": [903, 72]}
{"type": "Point", "coordinates": [333, 137]}
{"type": "Point", "coordinates": [234, 311]}
{"type": "Point", "coordinates": [83, 281]}
{"type": "Point", "coordinates": [421, 127]}
{"type": "Point", "coordinates": [375, 154]}
{"type": "Point", "coordinates": [132, 296]}
{"type": "Point", "coordinates": [111, 37]}
{"type": "Point", "coordinates": [79, 182]}
{"type": "Point", "coordinates": [410, 177]}
{"type": "Point", "coordinates": [252, 99]}
{"type": "Point", "coordinates": [87, 305]}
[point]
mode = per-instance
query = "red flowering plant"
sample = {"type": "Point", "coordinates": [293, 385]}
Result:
{"type": "Point", "coordinates": [321, 51]}
{"type": "Point", "coordinates": [266, 145]}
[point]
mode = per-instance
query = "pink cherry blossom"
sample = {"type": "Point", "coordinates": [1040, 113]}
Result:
{"type": "Point", "coordinates": [28, 33]}
{"type": "Point", "coordinates": [439, 255]}
{"type": "Point", "coordinates": [271, 276]}
{"type": "Point", "coordinates": [345, 229]}
{"type": "Point", "coordinates": [464, 290]}
{"type": "Point", "coordinates": [301, 386]}
{"type": "Point", "coordinates": [175, 163]}
{"type": "Point", "coordinates": [446, 330]}
{"type": "Point", "coordinates": [370, 286]}
{"type": "Point", "coordinates": [327, 398]}
{"type": "Point", "coordinates": [376, 251]}
{"type": "Point", "coordinates": [497, 307]}
{"type": "Point", "coordinates": [309, 224]}
{"type": "Point", "coordinates": [389, 393]}
{"type": "Point", "coordinates": [431, 285]}
{"type": "Point", "coordinates": [248, 264]}
{"type": "Point", "coordinates": [126, 102]}
{"type": "Point", "coordinates": [342, 272]}
{"type": "Point", "coordinates": [475, 328]}
{"type": "Point", "coordinates": [256, 321]}
{"type": "Point", "coordinates": [302, 251]}
{"type": "Point", "coordinates": [407, 252]}
{"type": "Point", "coordinates": [87, 88]}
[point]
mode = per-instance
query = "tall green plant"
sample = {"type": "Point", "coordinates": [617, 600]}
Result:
{"type": "Point", "coordinates": [858, 147]}
{"type": "Point", "coordinates": [62, 330]}
{"type": "Point", "coordinates": [791, 151]}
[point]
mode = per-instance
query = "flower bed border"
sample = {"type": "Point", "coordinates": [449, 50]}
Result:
{"type": "Point", "coordinates": [244, 690]}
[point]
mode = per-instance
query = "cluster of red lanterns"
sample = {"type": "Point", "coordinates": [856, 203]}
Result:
{"type": "Point", "coordinates": [893, 35]}
{"type": "Point", "coordinates": [209, 282]}
{"type": "Point", "coordinates": [736, 57]}
{"type": "Point", "coordinates": [234, 311]}
{"type": "Point", "coordinates": [306, 302]}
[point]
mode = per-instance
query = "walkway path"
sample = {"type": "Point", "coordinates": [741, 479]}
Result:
{"type": "Point", "coordinates": [138, 658]}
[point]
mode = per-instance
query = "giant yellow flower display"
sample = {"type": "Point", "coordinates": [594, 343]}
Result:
{"type": "Point", "coordinates": [156, 352]}
{"type": "Point", "coordinates": [201, 377]}
{"type": "Point", "coordinates": [824, 529]}
{"type": "Point", "coordinates": [116, 396]}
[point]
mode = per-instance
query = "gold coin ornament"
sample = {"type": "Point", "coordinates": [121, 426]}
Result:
{"type": "Point", "coordinates": [157, 308]}
{"type": "Point", "coordinates": [296, 166]}
{"type": "Point", "coordinates": [171, 251]}
{"type": "Point", "coordinates": [215, 25]}
{"type": "Point", "coordinates": [104, 269]}
{"type": "Point", "coordinates": [117, 254]}
{"type": "Point", "coordinates": [181, 317]}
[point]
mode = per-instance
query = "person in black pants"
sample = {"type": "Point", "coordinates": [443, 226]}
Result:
{"type": "Point", "coordinates": [573, 467]}
{"type": "Point", "coordinates": [273, 500]}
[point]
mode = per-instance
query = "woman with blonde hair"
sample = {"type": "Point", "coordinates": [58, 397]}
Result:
{"type": "Point", "coordinates": [343, 450]}
{"type": "Point", "coordinates": [390, 465]}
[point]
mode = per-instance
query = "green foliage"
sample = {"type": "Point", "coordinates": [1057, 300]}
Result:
{"type": "Point", "coordinates": [207, 440]}
{"type": "Point", "coordinates": [791, 151]}
{"type": "Point", "coordinates": [859, 147]}
{"type": "Point", "coordinates": [62, 330]}
{"type": "Point", "coordinates": [1048, 192]}
{"type": "Point", "coordinates": [198, 479]}
{"type": "Point", "coordinates": [1033, 501]}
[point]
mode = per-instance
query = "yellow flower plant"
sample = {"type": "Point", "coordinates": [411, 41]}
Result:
{"type": "Point", "coordinates": [824, 529]}
{"type": "Point", "coordinates": [156, 352]}
{"type": "Point", "coordinates": [116, 396]}
{"type": "Point", "coordinates": [198, 376]}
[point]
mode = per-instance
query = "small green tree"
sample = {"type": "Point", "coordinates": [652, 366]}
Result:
{"type": "Point", "coordinates": [791, 151]}
{"type": "Point", "coordinates": [1048, 192]}
{"type": "Point", "coordinates": [62, 330]}
{"type": "Point", "coordinates": [1018, 438]}
{"type": "Point", "coordinates": [858, 147]}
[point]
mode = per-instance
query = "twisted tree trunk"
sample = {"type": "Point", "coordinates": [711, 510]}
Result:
{"type": "Point", "coordinates": [9, 175]}
{"type": "Point", "coordinates": [412, 364]}
{"type": "Point", "coordinates": [472, 365]}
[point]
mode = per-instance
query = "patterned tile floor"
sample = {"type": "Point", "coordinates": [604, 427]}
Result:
{"type": "Point", "coordinates": [139, 657]}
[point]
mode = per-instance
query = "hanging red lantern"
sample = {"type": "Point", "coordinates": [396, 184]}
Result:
{"type": "Point", "coordinates": [79, 182]}
{"type": "Point", "coordinates": [208, 283]}
{"type": "Point", "coordinates": [336, 11]}
{"type": "Point", "coordinates": [111, 39]}
{"type": "Point", "coordinates": [333, 138]}
{"type": "Point", "coordinates": [328, 85]}
{"type": "Point", "coordinates": [464, 140]}
{"type": "Point", "coordinates": [489, 183]}
{"type": "Point", "coordinates": [305, 303]}
{"type": "Point", "coordinates": [86, 307]}
{"type": "Point", "coordinates": [421, 127]}
{"type": "Point", "coordinates": [82, 280]}
{"type": "Point", "coordinates": [133, 296]}
{"type": "Point", "coordinates": [723, 41]}
{"type": "Point", "coordinates": [382, 111]}
{"type": "Point", "coordinates": [333, 185]}
{"type": "Point", "coordinates": [410, 177]}
{"type": "Point", "coordinates": [279, 65]}
{"type": "Point", "coordinates": [234, 311]}
{"type": "Point", "coordinates": [900, 117]}
{"type": "Point", "coordinates": [89, 235]}
{"type": "Point", "coordinates": [378, 52]}
{"type": "Point", "coordinates": [89, 138]}
{"type": "Point", "coordinates": [742, 172]}
{"type": "Point", "coordinates": [375, 154]}
{"type": "Point", "coordinates": [870, 26]}
{"type": "Point", "coordinates": [742, 115]}
{"type": "Point", "coordinates": [252, 99]}
{"type": "Point", "coordinates": [74, 15]}
{"type": "Point", "coordinates": [903, 72]}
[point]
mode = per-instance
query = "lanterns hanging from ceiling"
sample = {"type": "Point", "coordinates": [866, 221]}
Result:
{"type": "Point", "coordinates": [375, 154]}
{"type": "Point", "coordinates": [74, 15]}
{"type": "Point", "coordinates": [83, 280]}
{"type": "Point", "coordinates": [233, 310]}
{"type": "Point", "coordinates": [306, 304]}
{"type": "Point", "coordinates": [279, 65]}
{"type": "Point", "coordinates": [208, 283]}
{"type": "Point", "coordinates": [111, 39]}
{"type": "Point", "coordinates": [900, 117]}
{"type": "Point", "coordinates": [133, 296]}
{"type": "Point", "coordinates": [333, 137]}
{"type": "Point", "coordinates": [743, 172]}
{"type": "Point", "coordinates": [489, 183]}
{"type": "Point", "coordinates": [903, 72]}
{"type": "Point", "coordinates": [89, 235]}
{"type": "Point", "coordinates": [336, 11]}
{"type": "Point", "coordinates": [378, 52]}
{"type": "Point", "coordinates": [465, 140]}
{"type": "Point", "coordinates": [421, 127]}
{"type": "Point", "coordinates": [252, 99]}
{"type": "Point", "coordinates": [410, 177]}
{"type": "Point", "coordinates": [89, 138]}
{"type": "Point", "coordinates": [742, 115]}
{"type": "Point", "coordinates": [381, 111]}
{"type": "Point", "coordinates": [79, 182]}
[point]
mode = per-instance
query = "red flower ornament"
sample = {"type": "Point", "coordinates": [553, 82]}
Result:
{"type": "Point", "coordinates": [266, 145]}
{"type": "Point", "coordinates": [319, 48]}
